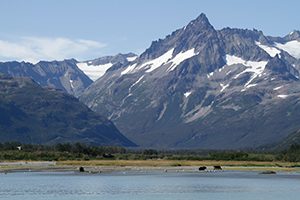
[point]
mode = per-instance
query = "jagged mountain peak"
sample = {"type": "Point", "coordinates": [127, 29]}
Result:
{"type": "Point", "coordinates": [247, 33]}
{"type": "Point", "coordinates": [207, 47]}
{"type": "Point", "coordinates": [203, 88]}
{"type": "Point", "coordinates": [200, 22]}
{"type": "Point", "coordinates": [194, 34]}
{"type": "Point", "coordinates": [71, 62]}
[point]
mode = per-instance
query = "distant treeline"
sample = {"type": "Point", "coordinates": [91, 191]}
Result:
{"type": "Point", "coordinates": [78, 151]}
{"type": "Point", "coordinates": [292, 154]}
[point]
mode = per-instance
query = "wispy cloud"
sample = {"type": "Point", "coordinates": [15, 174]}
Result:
{"type": "Point", "coordinates": [34, 49]}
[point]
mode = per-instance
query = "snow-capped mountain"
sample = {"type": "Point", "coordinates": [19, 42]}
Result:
{"type": "Point", "coordinates": [70, 76]}
{"type": "Point", "coordinates": [63, 75]}
{"type": "Point", "coordinates": [205, 88]}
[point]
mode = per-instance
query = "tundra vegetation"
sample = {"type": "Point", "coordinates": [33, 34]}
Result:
{"type": "Point", "coordinates": [63, 152]}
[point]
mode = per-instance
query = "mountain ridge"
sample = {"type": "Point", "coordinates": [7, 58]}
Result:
{"type": "Point", "coordinates": [36, 115]}
{"type": "Point", "coordinates": [198, 87]}
{"type": "Point", "coordinates": [69, 75]}
{"type": "Point", "coordinates": [63, 75]}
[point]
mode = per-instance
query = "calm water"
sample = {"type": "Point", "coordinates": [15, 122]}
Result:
{"type": "Point", "coordinates": [146, 186]}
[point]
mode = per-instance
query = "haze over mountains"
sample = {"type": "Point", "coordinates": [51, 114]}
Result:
{"type": "Point", "coordinates": [196, 88]}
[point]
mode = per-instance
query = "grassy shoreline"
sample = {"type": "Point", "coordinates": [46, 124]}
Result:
{"type": "Point", "coordinates": [185, 164]}
{"type": "Point", "coordinates": [95, 166]}
{"type": "Point", "coordinates": [159, 163]}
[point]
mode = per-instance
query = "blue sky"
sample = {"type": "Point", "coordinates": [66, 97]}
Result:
{"type": "Point", "coordinates": [35, 30]}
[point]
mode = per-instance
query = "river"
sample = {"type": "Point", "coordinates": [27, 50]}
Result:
{"type": "Point", "coordinates": [151, 185]}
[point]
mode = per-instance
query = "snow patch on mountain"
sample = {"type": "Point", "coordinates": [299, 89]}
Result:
{"type": "Point", "coordinates": [197, 113]}
{"type": "Point", "coordinates": [150, 65]}
{"type": "Point", "coordinates": [223, 87]}
{"type": "Point", "coordinates": [132, 58]}
{"type": "Point", "coordinates": [157, 62]}
{"type": "Point", "coordinates": [162, 112]}
{"type": "Point", "coordinates": [292, 47]}
{"type": "Point", "coordinates": [187, 94]}
{"type": "Point", "coordinates": [277, 88]}
{"type": "Point", "coordinates": [282, 96]}
{"type": "Point", "coordinates": [255, 67]}
{"type": "Point", "coordinates": [272, 51]}
{"type": "Point", "coordinates": [210, 74]}
{"type": "Point", "coordinates": [129, 69]}
{"type": "Point", "coordinates": [180, 57]}
{"type": "Point", "coordinates": [94, 71]}
{"type": "Point", "coordinates": [228, 72]}
{"type": "Point", "coordinates": [166, 58]}
{"type": "Point", "coordinates": [71, 83]}
{"type": "Point", "coordinates": [251, 85]}
{"type": "Point", "coordinates": [248, 86]}
{"type": "Point", "coordinates": [234, 60]}
{"type": "Point", "coordinates": [134, 84]}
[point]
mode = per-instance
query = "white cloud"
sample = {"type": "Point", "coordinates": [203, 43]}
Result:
{"type": "Point", "coordinates": [34, 49]}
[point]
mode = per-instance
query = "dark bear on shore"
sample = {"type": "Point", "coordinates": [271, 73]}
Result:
{"type": "Point", "coordinates": [202, 168]}
{"type": "Point", "coordinates": [81, 169]}
{"type": "Point", "coordinates": [217, 167]}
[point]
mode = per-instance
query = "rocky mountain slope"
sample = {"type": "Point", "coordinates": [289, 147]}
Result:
{"type": "Point", "coordinates": [32, 114]}
{"type": "Point", "coordinates": [70, 76]}
{"type": "Point", "coordinates": [293, 138]}
{"type": "Point", "coordinates": [205, 88]}
{"type": "Point", "coordinates": [63, 75]}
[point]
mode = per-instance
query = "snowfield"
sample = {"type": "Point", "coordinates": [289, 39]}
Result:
{"type": "Point", "coordinates": [180, 57]}
{"type": "Point", "coordinates": [94, 71]}
{"type": "Point", "coordinates": [166, 58]}
{"type": "Point", "coordinates": [130, 59]}
{"type": "Point", "coordinates": [292, 47]}
{"type": "Point", "coordinates": [272, 51]}
{"type": "Point", "coordinates": [255, 67]}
